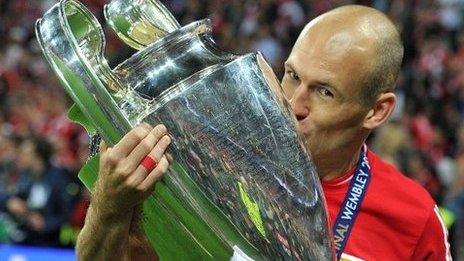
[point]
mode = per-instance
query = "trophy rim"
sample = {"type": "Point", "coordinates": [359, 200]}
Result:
{"type": "Point", "coordinates": [200, 27]}
{"type": "Point", "coordinates": [190, 81]}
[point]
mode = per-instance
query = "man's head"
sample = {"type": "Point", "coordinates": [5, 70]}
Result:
{"type": "Point", "coordinates": [34, 154]}
{"type": "Point", "coordinates": [340, 76]}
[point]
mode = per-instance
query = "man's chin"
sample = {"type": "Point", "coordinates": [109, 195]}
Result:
{"type": "Point", "coordinates": [303, 137]}
{"type": "Point", "coordinates": [307, 144]}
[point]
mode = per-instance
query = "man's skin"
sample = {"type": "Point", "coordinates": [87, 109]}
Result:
{"type": "Point", "coordinates": [112, 219]}
{"type": "Point", "coordinates": [325, 82]}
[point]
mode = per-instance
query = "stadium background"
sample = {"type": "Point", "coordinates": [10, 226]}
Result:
{"type": "Point", "coordinates": [424, 138]}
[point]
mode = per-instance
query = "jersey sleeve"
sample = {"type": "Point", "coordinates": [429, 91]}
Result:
{"type": "Point", "coordinates": [433, 243]}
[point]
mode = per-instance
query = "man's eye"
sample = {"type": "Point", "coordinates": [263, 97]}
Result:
{"type": "Point", "coordinates": [293, 75]}
{"type": "Point", "coordinates": [325, 92]}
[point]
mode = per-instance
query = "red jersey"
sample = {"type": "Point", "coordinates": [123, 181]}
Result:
{"type": "Point", "coordinates": [398, 219]}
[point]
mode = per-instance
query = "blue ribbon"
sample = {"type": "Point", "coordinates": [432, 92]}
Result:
{"type": "Point", "coordinates": [352, 203]}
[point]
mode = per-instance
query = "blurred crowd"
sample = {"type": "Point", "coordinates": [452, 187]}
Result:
{"type": "Point", "coordinates": [41, 199]}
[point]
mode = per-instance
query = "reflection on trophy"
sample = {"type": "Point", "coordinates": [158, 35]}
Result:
{"type": "Point", "coordinates": [242, 179]}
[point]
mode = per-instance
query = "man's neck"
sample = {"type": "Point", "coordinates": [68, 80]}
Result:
{"type": "Point", "coordinates": [331, 167]}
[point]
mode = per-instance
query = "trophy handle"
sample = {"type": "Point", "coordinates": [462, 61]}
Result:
{"type": "Point", "coordinates": [72, 41]}
{"type": "Point", "coordinates": [90, 39]}
{"type": "Point", "coordinates": [140, 22]}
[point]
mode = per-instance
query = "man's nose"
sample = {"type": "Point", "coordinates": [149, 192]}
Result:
{"type": "Point", "coordinates": [300, 102]}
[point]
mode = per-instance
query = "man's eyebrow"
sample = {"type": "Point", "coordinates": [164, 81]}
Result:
{"type": "Point", "coordinates": [289, 65]}
{"type": "Point", "coordinates": [324, 83]}
{"type": "Point", "coordinates": [327, 84]}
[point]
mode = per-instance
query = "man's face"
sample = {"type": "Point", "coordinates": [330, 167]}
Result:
{"type": "Point", "coordinates": [26, 154]}
{"type": "Point", "coordinates": [322, 81]}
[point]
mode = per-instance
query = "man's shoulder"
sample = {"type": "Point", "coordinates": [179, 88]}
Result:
{"type": "Point", "coordinates": [395, 216]}
{"type": "Point", "coordinates": [394, 186]}
{"type": "Point", "coordinates": [395, 205]}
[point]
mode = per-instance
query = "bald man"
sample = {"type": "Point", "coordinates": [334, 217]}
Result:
{"type": "Point", "coordinates": [339, 79]}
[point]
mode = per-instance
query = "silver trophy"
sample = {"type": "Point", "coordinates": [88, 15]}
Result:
{"type": "Point", "coordinates": [242, 180]}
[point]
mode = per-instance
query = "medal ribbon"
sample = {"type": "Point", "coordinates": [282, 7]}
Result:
{"type": "Point", "coordinates": [352, 202]}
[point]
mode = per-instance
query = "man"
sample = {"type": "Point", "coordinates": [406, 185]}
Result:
{"type": "Point", "coordinates": [39, 203]}
{"type": "Point", "coordinates": [339, 80]}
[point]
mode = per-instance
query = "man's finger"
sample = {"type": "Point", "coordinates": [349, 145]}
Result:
{"type": "Point", "coordinates": [160, 148]}
{"type": "Point", "coordinates": [155, 155]}
{"type": "Point", "coordinates": [155, 175]}
{"type": "Point", "coordinates": [131, 139]}
{"type": "Point", "coordinates": [145, 147]}
{"type": "Point", "coordinates": [169, 157]}
{"type": "Point", "coordinates": [103, 147]}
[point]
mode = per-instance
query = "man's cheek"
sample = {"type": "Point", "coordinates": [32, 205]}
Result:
{"type": "Point", "coordinates": [287, 94]}
{"type": "Point", "coordinates": [287, 90]}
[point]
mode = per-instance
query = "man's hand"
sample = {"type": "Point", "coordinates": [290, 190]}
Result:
{"type": "Point", "coordinates": [122, 185]}
{"type": "Point", "coordinates": [123, 182]}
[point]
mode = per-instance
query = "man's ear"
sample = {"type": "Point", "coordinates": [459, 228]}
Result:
{"type": "Point", "coordinates": [381, 110]}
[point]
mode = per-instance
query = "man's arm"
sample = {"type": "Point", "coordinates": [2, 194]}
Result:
{"type": "Point", "coordinates": [140, 248]}
{"type": "Point", "coordinates": [103, 237]}
{"type": "Point", "coordinates": [122, 185]}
